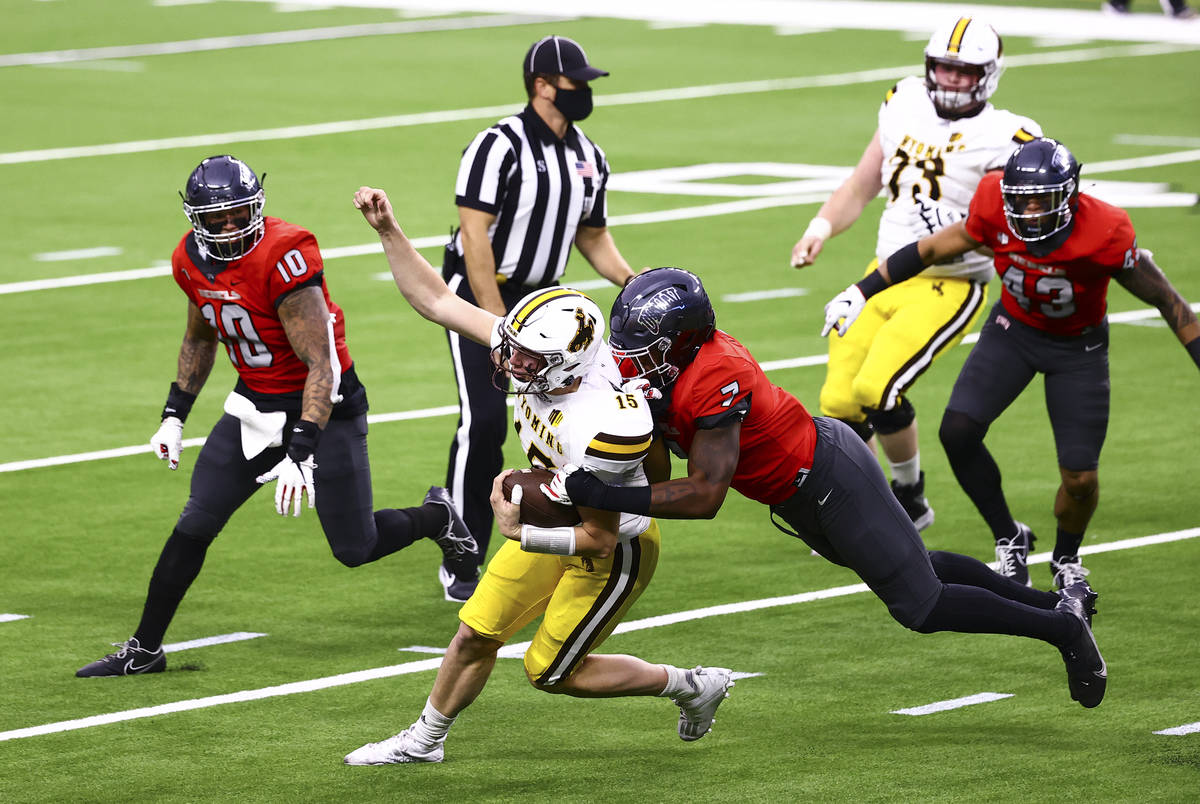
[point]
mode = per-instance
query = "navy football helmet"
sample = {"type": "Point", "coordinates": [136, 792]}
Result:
{"type": "Point", "coordinates": [1041, 191]}
{"type": "Point", "coordinates": [220, 191]}
{"type": "Point", "coordinates": [658, 323]}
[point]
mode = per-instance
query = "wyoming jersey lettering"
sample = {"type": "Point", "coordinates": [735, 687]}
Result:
{"type": "Point", "coordinates": [598, 428]}
{"type": "Point", "coordinates": [940, 158]}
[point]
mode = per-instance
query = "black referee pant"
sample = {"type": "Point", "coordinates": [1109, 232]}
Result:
{"type": "Point", "coordinates": [477, 451]}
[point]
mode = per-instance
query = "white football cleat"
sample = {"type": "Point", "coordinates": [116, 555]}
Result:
{"type": "Point", "coordinates": [393, 751]}
{"type": "Point", "coordinates": [709, 686]}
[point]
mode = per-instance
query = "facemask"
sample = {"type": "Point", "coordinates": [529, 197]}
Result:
{"type": "Point", "coordinates": [575, 104]}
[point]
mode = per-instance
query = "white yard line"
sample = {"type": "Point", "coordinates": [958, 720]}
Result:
{"type": "Point", "coordinates": [1131, 316]}
{"type": "Point", "coordinates": [508, 651]}
{"type": "Point", "coordinates": [1188, 728]}
{"type": "Point", "coordinates": [880, 15]}
{"type": "Point", "coordinates": [954, 703]}
{"type": "Point", "coordinates": [619, 99]}
{"type": "Point", "coordinates": [78, 254]}
{"type": "Point", "coordinates": [12, 618]}
{"type": "Point", "coordinates": [204, 642]}
{"type": "Point", "coordinates": [54, 57]}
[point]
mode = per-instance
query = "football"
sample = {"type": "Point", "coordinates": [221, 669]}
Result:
{"type": "Point", "coordinates": [536, 508]}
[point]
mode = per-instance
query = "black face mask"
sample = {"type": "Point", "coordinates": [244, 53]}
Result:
{"type": "Point", "coordinates": [575, 104]}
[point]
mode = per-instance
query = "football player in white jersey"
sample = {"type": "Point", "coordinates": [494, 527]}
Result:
{"type": "Point", "coordinates": [935, 140]}
{"type": "Point", "coordinates": [582, 579]}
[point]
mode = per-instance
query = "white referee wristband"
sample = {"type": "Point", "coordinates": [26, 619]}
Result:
{"type": "Point", "coordinates": [819, 228]}
{"type": "Point", "coordinates": [555, 541]}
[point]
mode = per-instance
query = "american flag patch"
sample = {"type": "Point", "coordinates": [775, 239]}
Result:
{"type": "Point", "coordinates": [585, 169]}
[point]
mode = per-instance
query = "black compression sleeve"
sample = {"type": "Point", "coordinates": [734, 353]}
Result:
{"type": "Point", "coordinates": [905, 263]}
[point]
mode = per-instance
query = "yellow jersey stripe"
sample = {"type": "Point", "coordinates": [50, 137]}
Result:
{"type": "Point", "coordinates": [1023, 136]}
{"type": "Point", "coordinates": [956, 37]}
{"type": "Point", "coordinates": [537, 301]}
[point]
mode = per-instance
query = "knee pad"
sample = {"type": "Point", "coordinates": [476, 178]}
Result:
{"type": "Point", "coordinates": [959, 432]}
{"type": "Point", "coordinates": [891, 421]}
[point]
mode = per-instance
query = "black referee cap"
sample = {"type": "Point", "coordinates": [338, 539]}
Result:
{"type": "Point", "coordinates": [558, 55]}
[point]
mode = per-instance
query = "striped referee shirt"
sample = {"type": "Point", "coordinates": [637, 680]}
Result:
{"type": "Point", "coordinates": [539, 187]}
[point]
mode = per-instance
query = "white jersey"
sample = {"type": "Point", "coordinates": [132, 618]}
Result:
{"type": "Point", "coordinates": [596, 427]}
{"type": "Point", "coordinates": [940, 158]}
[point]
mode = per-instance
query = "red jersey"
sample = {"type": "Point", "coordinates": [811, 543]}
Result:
{"type": "Point", "coordinates": [239, 300]}
{"type": "Point", "coordinates": [778, 436]}
{"type": "Point", "coordinates": [1065, 292]}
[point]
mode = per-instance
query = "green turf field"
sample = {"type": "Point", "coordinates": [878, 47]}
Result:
{"type": "Point", "coordinates": [91, 156]}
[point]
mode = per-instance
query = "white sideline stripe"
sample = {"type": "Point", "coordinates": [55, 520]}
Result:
{"type": "Point", "coordinates": [8, 618]}
{"type": "Point", "coordinates": [618, 99]}
{"type": "Point", "coordinates": [272, 38]}
{"type": "Point", "coordinates": [204, 642]}
{"type": "Point", "coordinates": [1156, 139]}
{"type": "Point", "coordinates": [422, 665]}
{"type": "Point", "coordinates": [1134, 191]}
{"type": "Point", "coordinates": [763, 295]}
{"type": "Point", "coordinates": [78, 254]}
{"type": "Point", "coordinates": [954, 703]}
{"type": "Point", "coordinates": [423, 649]}
{"type": "Point", "coordinates": [1130, 316]}
{"type": "Point", "coordinates": [1188, 728]}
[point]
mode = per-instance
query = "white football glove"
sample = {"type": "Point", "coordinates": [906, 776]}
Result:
{"type": "Point", "coordinates": [168, 441]}
{"type": "Point", "coordinates": [844, 307]}
{"type": "Point", "coordinates": [293, 481]}
{"type": "Point", "coordinates": [640, 385]}
{"type": "Point", "coordinates": [556, 489]}
{"type": "Point", "coordinates": [929, 216]}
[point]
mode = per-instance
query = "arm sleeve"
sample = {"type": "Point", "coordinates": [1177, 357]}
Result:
{"type": "Point", "coordinates": [723, 394]}
{"type": "Point", "coordinates": [299, 265]}
{"type": "Point", "coordinates": [483, 171]}
{"type": "Point", "coordinates": [620, 444]}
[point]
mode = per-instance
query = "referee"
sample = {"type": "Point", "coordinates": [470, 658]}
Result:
{"type": "Point", "coordinates": [527, 187]}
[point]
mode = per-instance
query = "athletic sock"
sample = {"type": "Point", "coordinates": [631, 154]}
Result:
{"type": "Point", "coordinates": [1066, 545]}
{"type": "Point", "coordinates": [907, 473]}
{"type": "Point", "coordinates": [676, 682]}
{"type": "Point", "coordinates": [431, 727]}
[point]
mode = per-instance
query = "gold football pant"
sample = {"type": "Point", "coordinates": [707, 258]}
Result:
{"type": "Point", "coordinates": [583, 600]}
{"type": "Point", "coordinates": [899, 334]}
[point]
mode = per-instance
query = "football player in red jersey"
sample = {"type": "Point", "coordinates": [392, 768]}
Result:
{"type": "Point", "coordinates": [1056, 250]}
{"type": "Point", "coordinates": [298, 414]}
{"type": "Point", "coordinates": [716, 408]}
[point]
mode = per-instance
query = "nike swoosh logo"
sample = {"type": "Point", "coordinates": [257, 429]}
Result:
{"type": "Point", "coordinates": [1093, 347]}
{"type": "Point", "coordinates": [131, 667]}
{"type": "Point", "coordinates": [826, 497]}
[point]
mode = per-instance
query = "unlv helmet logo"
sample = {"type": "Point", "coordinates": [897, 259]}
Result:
{"type": "Point", "coordinates": [585, 334]}
{"type": "Point", "coordinates": [651, 313]}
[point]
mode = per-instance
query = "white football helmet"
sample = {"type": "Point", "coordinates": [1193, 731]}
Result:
{"type": "Point", "coordinates": [964, 41]}
{"type": "Point", "coordinates": [549, 340]}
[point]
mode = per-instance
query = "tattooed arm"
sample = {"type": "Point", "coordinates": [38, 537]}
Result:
{"type": "Point", "coordinates": [712, 460]}
{"type": "Point", "coordinates": [1147, 281]}
{"type": "Point", "coordinates": [305, 318]}
{"type": "Point", "coordinates": [196, 353]}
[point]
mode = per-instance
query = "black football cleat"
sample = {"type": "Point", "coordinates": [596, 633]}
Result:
{"type": "Point", "coordinates": [1012, 554]}
{"type": "Point", "coordinates": [912, 500]}
{"type": "Point", "coordinates": [459, 572]}
{"type": "Point", "coordinates": [130, 660]}
{"type": "Point", "coordinates": [1087, 674]}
